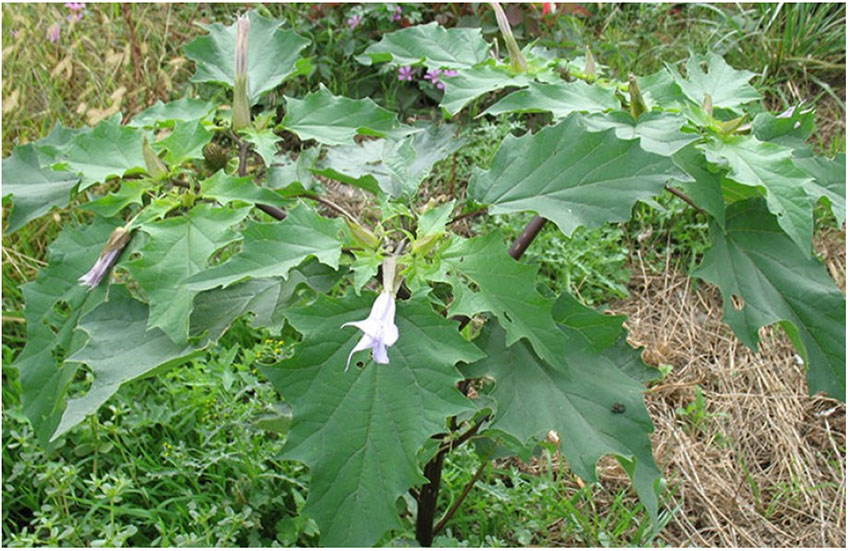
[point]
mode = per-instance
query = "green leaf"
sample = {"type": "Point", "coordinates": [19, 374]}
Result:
{"type": "Point", "coordinates": [432, 45]}
{"type": "Point", "coordinates": [768, 167]}
{"type": "Point", "coordinates": [178, 248]}
{"type": "Point", "coordinates": [477, 81]}
{"type": "Point", "coordinates": [507, 289]}
{"type": "Point", "coordinates": [130, 193]}
{"type": "Point", "coordinates": [571, 176]}
{"type": "Point", "coordinates": [185, 143]}
{"type": "Point", "coordinates": [168, 114]}
{"type": "Point", "coordinates": [660, 89]}
{"type": "Point", "coordinates": [396, 168]}
{"type": "Point", "coordinates": [560, 99]}
{"type": "Point", "coordinates": [119, 349]}
{"type": "Point", "coordinates": [225, 188]}
{"type": "Point", "coordinates": [264, 143]}
{"type": "Point", "coordinates": [109, 150]}
{"type": "Point", "coordinates": [576, 398]}
{"type": "Point", "coordinates": [266, 298]}
{"type": "Point", "coordinates": [335, 120]}
{"type": "Point", "coordinates": [411, 161]}
{"type": "Point", "coordinates": [273, 249]}
{"type": "Point", "coordinates": [706, 188]}
{"type": "Point", "coordinates": [728, 87]}
{"type": "Point", "coordinates": [54, 303]}
{"type": "Point", "coordinates": [272, 55]}
{"type": "Point", "coordinates": [830, 182]}
{"type": "Point", "coordinates": [773, 281]}
{"type": "Point", "coordinates": [34, 187]}
{"type": "Point", "coordinates": [659, 132]}
{"type": "Point", "coordinates": [790, 129]}
{"type": "Point", "coordinates": [285, 173]}
{"type": "Point", "coordinates": [434, 219]}
{"type": "Point", "coordinates": [357, 165]}
{"type": "Point", "coordinates": [360, 435]}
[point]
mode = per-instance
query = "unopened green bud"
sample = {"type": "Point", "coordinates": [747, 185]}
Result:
{"type": "Point", "coordinates": [241, 109]}
{"type": "Point", "coordinates": [727, 127]}
{"type": "Point", "coordinates": [518, 63]}
{"type": "Point", "coordinates": [362, 235]}
{"type": "Point", "coordinates": [426, 243]}
{"type": "Point", "coordinates": [589, 64]}
{"type": "Point", "coordinates": [707, 105]}
{"type": "Point", "coordinates": [155, 167]}
{"type": "Point", "coordinates": [636, 103]}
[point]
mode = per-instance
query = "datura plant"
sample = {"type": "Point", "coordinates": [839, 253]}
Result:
{"type": "Point", "coordinates": [415, 340]}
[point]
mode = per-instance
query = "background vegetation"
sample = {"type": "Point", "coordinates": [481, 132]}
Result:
{"type": "Point", "coordinates": [185, 459]}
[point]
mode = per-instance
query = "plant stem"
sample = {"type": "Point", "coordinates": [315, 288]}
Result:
{"type": "Point", "coordinates": [468, 214]}
{"type": "Point", "coordinates": [427, 498]}
{"type": "Point", "coordinates": [527, 236]}
{"type": "Point", "coordinates": [456, 505]}
{"type": "Point", "coordinates": [684, 198]}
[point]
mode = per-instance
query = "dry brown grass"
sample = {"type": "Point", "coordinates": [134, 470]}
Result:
{"type": "Point", "coordinates": [766, 468]}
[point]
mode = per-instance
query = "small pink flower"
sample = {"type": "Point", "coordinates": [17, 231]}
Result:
{"type": "Point", "coordinates": [14, 33]}
{"type": "Point", "coordinates": [74, 17]}
{"type": "Point", "coordinates": [405, 73]}
{"type": "Point", "coordinates": [397, 14]}
{"type": "Point", "coordinates": [433, 76]}
{"type": "Point", "coordinates": [53, 33]}
{"type": "Point", "coordinates": [354, 21]}
{"type": "Point", "coordinates": [75, 6]}
{"type": "Point", "coordinates": [449, 73]}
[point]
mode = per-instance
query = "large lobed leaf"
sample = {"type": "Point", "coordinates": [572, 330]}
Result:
{"type": "Point", "coordinates": [54, 303]}
{"type": "Point", "coordinates": [710, 74]}
{"type": "Point", "coordinates": [769, 168]}
{"type": "Point", "coordinates": [34, 187]}
{"type": "Point", "coordinates": [178, 248]}
{"type": "Point", "coordinates": [592, 397]}
{"type": "Point", "coordinates": [507, 289]}
{"type": "Point", "coordinates": [272, 54]}
{"type": "Point", "coordinates": [560, 99]}
{"type": "Point", "coordinates": [571, 176]}
{"type": "Point", "coordinates": [108, 151]}
{"type": "Point", "coordinates": [118, 349]}
{"type": "Point", "coordinates": [432, 45]}
{"type": "Point", "coordinates": [274, 249]}
{"type": "Point", "coordinates": [360, 431]}
{"type": "Point", "coordinates": [755, 261]}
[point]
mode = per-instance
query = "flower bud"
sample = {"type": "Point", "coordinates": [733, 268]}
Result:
{"type": "Point", "coordinates": [241, 109]}
{"type": "Point", "coordinates": [426, 243]}
{"type": "Point", "coordinates": [362, 235]}
{"type": "Point", "coordinates": [727, 127]}
{"type": "Point", "coordinates": [116, 243]}
{"type": "Point", "coordinates": [707, 105]}
{"type": "Point", "coordinates": [589, 64]}
{"type": "Point", "coordinates": [636, 103]}
{"type": "Point", "coordinates": [518, 63]}
{"type": "Point", "coordinates": [155, 167]}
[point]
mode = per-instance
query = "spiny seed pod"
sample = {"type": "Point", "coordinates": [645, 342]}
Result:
{"type": "Point", "coordinates": [215, 156]}
{"type": "Point", "coordinates": [636, 103]}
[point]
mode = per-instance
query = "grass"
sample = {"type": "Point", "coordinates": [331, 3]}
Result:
{"type": "Point", "coordinates": [181, 459]}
